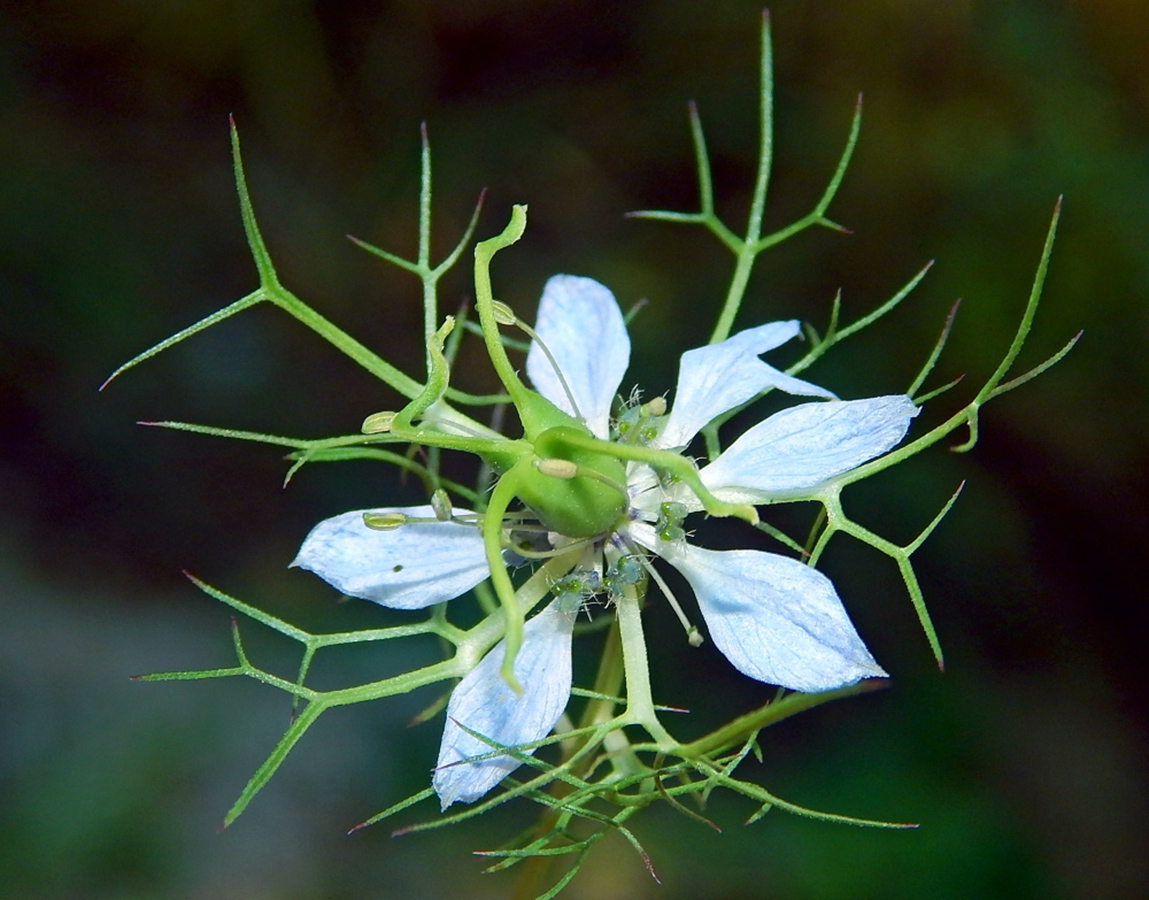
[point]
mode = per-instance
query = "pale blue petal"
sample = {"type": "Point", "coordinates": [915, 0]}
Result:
{"type": "Point", "coordinates": [798, 448]}
{"type": "Point", "coordinates": [581, 324]}
{"type": "Point", "coordinates": [409, 567]}
{"type": "Point", "coordinates": [775, 619]}
{"type": "Point", "coordinates": [715, 379]}
{"type": "Point", "coordinates": [485, 703]}
{"type": "Point", "coordinates": [762, 338]}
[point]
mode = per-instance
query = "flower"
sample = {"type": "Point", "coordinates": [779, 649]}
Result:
{"type": "Point", "coordinates": [774, 618]}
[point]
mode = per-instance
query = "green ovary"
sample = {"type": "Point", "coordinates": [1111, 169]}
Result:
{"type": "Point", "coordinates": [578, 507]}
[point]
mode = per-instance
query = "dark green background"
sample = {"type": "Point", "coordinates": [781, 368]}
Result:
{"type": "Point", "coordinates": [118, 225]}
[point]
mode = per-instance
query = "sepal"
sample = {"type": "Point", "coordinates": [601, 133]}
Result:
{"type": "Point", "coordinates": [798, 448]}
{"type": "Point", "coordinates": [415, 565]}
{"type": "Point", "coordinates": [486, 704]}
{"type": "Point", "coordinates": [776, 619]}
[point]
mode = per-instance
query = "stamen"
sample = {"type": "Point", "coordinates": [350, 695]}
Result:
{"type": "Point", "coordinates": [580, 583]}
{"type": "Point", "coordinates": [656, 407]}
{"type": "Point", "coordinates": [624, 572]}
{"type": "Point", "coordinates": [671, 515]}
{"type": "Point", "coordinates": [530, 332]}
{"type": "Point", "coordinates": [634, 425]}
{"type": "Point", "coordinates": [693, 635]}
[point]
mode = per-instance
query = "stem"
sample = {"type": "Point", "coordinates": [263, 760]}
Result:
{"type": "Point", "coordinates": [639, 702]}
{"type": "Point", "coordinates": [430, 299]}
{"type": "Point", "coordinates": [534, 870]}
{"type": "Point", "coordinates": [734, 732]}
{"type": "Point", "coordinates": [747, 250]}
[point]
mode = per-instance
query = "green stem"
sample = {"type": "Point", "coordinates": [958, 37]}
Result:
{"type": "Point", "coordinates": [747, 249]}
{"type": "Point", "coordinates": [430, 298]}
{"type": "Point", "coordinates": [639, 701]}
{"type": "Point", "coordinates": [735, 732]}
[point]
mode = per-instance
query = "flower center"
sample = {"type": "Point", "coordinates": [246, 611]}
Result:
{"type": "Point", "coordinates": [579, 501]}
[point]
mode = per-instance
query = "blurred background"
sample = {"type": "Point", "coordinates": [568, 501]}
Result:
{"type": "Point", "coordinates": [1025, 762]}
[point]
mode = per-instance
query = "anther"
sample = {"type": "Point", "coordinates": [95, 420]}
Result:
{"type": "Point", "coordinates": [441, 504]}
{"type": "Point", "coordinates": [557, 468]}
{"type": "Point", "coordinates": [670, 517]}
{"type": "Point", "coordinates": [504, 315]}
{"type": "Point", "coordinates": [385, 522]}
{"type": "Point", "coordinates": [656, 407]}
{"type": "Point", "coordinates": [377, 423]}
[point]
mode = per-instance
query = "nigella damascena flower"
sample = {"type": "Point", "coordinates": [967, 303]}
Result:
{"type": "Point", "coordinates": [774, 618]}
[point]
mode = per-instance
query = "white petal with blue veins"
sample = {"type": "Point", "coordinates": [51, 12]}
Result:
{"type": "Point", "coordinates": [715, 379]}
{"type": "Point", "coordinates": [774, 618]}
{"type": "Point", "coordinates": [581, 324]}
{"type": "Point", "coordinates": [413, 566]}
{"type": "Point", "coordinates": [798, 448]}
{"type": "Point", "coordinates": [485, 703]}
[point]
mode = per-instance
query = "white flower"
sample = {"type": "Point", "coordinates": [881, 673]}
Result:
{"type": "Point", "coordinates": [776, 619]}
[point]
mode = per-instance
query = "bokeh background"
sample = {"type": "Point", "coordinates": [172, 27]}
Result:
{"type": "Point", "coordinates": [1025, 762]}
